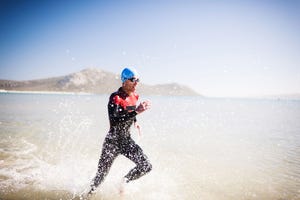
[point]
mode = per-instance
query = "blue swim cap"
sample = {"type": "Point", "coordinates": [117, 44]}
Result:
{"type": "Point", "coordinates": [128, 73]}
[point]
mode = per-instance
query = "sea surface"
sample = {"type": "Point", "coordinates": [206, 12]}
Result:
{"type": "Point", "coordinates": [200, 148]}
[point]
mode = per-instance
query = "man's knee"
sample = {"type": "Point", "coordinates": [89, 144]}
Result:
{"type": "Point", "coordinates": [147, 167]}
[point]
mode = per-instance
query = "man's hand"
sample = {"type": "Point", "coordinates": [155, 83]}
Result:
{"type": "Point", "coordinates": [145, 105]}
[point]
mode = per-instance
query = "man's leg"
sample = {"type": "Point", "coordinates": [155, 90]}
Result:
{"type": "Point", "coordinates": [109, 153]}
{"type": "Point", "coordinates": [135, 153]}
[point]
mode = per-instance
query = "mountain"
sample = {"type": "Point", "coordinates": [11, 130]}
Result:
{"type": "Point", "coordinates": [92, 80]}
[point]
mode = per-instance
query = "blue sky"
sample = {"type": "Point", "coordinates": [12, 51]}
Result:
{"type": "Point", "coordinates": [218, 48]}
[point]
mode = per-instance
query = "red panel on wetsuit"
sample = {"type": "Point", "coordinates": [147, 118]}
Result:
{"type": "Point", "coordinates": [129, 103]}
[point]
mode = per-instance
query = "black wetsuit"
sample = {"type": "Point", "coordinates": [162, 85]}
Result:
{"type": "Point", "coordinates": [121, 112]}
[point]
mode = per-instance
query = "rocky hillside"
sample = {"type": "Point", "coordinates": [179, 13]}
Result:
{"type": "Point", "coordinates": [91, 81]}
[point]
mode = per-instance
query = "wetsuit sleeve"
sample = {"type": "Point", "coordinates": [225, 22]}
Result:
{"type": "Point", "coordinates": [118, 114]}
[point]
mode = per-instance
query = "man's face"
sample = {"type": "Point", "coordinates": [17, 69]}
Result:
{"type": "Point", "coordinates": [130, 84]}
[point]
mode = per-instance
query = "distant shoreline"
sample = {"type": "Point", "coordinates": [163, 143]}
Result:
{"type": "Point", "coordinates": [43, 92]}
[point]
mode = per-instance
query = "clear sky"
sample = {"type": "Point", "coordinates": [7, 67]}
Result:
{"type": "Point", "coordinates": [218, 48]}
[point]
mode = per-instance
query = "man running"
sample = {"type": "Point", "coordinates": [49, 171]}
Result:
{"type": "Point", "coordinates": [122, 111]}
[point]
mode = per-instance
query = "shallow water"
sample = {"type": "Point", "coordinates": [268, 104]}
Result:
{"type": "Point", "coordinates": [200, 148]}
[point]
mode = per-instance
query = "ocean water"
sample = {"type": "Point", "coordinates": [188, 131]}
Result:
{"type": "Point", "coordinates": [200, 148]}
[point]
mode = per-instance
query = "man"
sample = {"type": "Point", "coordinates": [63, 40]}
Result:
{"type": "Point", "coordinates": [122, 111]}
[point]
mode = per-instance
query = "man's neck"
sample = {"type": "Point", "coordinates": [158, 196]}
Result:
{"type": "Point", "coordinates": [127, 91]}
